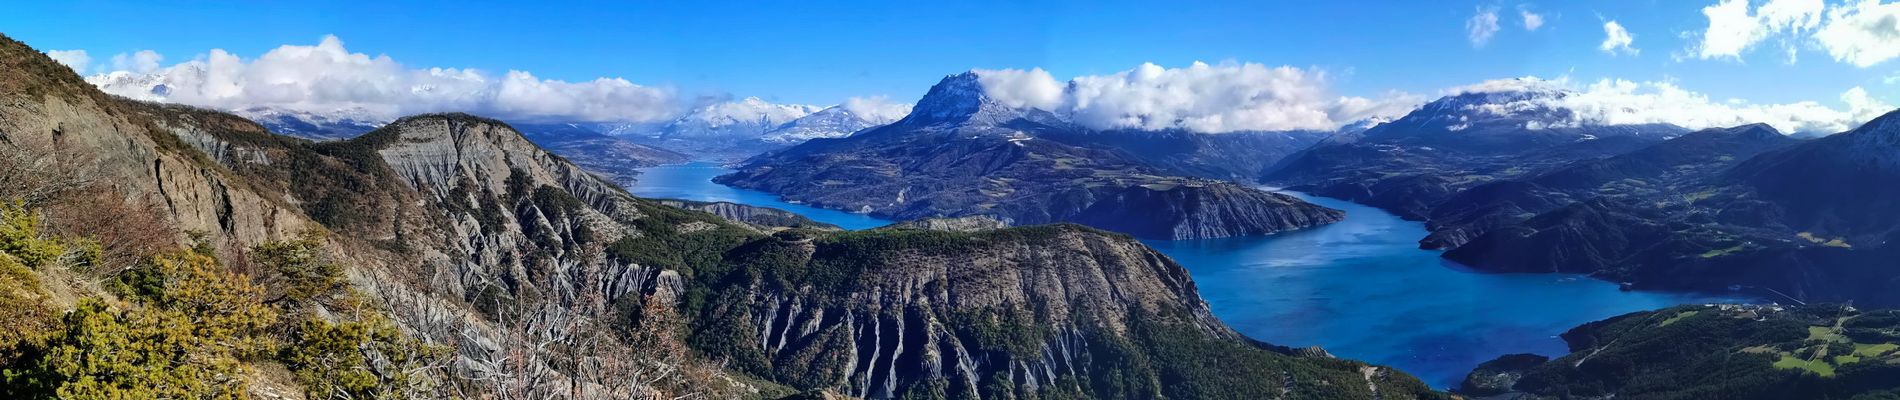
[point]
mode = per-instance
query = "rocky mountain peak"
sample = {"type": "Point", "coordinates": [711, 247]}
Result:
{"type": "Point", "coordinates": [1522, 108]}
{"type": "Point", "coordinates": [834, 121]}
{"type": "Point", "coordinates": [960, 98]}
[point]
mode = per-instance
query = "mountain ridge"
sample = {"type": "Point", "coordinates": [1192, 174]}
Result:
{"type": "Point", "coordinates": [467, 235]}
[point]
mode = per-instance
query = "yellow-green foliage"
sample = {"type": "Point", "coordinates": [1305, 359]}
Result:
{"type": "Point", "coordinates": [1829, 242]}
{"type": "Point", "coordinates": [298, 268]}
{"type": "Point", "coordinates": [1818, 367]}
{"type": "Point", "coordinates": [188, 340]}
{"type": "Point", "coordinates": [1678, 317]}
{"type": "Point", "coordinates": [359, 355]}
{"type": "Point", "coordinates": [23, 308]}
{"type": "Point", "coordinates": [333, 360]}
{"type": "Point", "coordinates": [185, 327]}
{"type": "Point", "coordinates": [20, 237]}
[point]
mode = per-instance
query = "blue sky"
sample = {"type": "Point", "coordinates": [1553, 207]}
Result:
{"type": "Point", "coordinates": [824, 52]}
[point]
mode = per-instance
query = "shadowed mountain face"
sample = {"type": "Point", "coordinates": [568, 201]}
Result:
{"type": "Point", "coordinates": [519, 262]}
{"type": "Point", "coordinates": [1719, 208]}
{"type": "Point", "coordinates": [1410, 165]}
{"type": "Point", "coordinates": [1506, 187]}
{"type": "Point", "coordinates": [959, 153]}
{"type": "Point", "coordinates": [1655, 171]}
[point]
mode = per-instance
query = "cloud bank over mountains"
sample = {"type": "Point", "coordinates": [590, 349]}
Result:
{"type": "Point", "coordinates": [1209, 98]}
{"type": "Point", "coordinates": [327, 77]}
{"type": "Point", "coordinates": [1623, 102]}
{"type": "Point", "coordinates": [1200, 97]}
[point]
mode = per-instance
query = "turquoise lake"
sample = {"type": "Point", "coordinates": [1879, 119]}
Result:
{"type": "Point", "coordinates": [1360, 288]}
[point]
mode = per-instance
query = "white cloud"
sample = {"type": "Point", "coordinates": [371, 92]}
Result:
{"type": "Point", "coordinates": [1532, 20]}
{"type": "Point", "coordinates": [143, 61]}
{"type": "Point", "coordinates": [877, 109]}
{"type": "Point", "coordinates": [327, 77]}
{"type": "Point", "coordinates": [1019, 89]}
{"type": "Point", "coordinates": [75, 59]}
{"type": "Point", "coordinates": [1864, 107]}
{"type": "Point", "coordinates": [1619, 102]}
{"type": "Point", "coordinates": [1863, 33]}
{"type": "Point", "coordinates": [1734, 28]}
{"type": "Point", "coordinates": [1482, 26]}
{"type": "Point", "coordinates": [1615, 39]}
{"type": "Point", "coordinates": [1202, 98]}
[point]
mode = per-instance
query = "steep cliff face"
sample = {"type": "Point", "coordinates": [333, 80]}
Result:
{"type": "Point", "coordinates": [1037, 311]}
{"type": "Point", "coordinates": [757, 216]}
{"type": "Point", "coordinates": [1202, 211]}
{"type": "Point", "coordinates": [49, 114]}
{"type": "Point", "coordinates": [959, 224]}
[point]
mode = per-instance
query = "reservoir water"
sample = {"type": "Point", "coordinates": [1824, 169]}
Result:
{"type": "Point", "coordinates": [693, 181]}
{"type": "Point", "coordinates": [1360, 288]}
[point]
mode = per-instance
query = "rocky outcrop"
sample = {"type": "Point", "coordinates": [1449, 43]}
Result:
{"type": "Point", "coordinates": [1036, 311]}
{"type": "Point", "coordinates": [758, 216]}
{"type": "Point", "coordinates": [1202, 211]}
{"type": "Point", "coordinates": [49, 114]}
{"type": "Point", "coordinates": [959, 224]}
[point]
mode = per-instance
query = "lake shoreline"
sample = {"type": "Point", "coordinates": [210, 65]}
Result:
{"type": "Point", "coordinates": [1360, 288]}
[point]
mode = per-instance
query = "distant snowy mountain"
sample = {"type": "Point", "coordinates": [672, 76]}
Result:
{"type": "Point", "coordinates": [335, 125]}
{"type": "Point", "coordinates": [147, 87]}
{"type": "Point", "coordinates": [720, 131]}
{"type": "Point", "coordinates": [747, 118]}
{"type": "Point", "coordinates": [738, 129]}
{"type": "Point", "coordinates": [833, 122]}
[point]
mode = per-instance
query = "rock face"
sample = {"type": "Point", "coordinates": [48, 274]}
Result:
{"type": "Point", "coordinates": [1038, 311]}
{"type": "Point", "coordinates": [758, 216]}
{"type": "Point", "coordinates": [960, 153]}
{"type": "Point", "coordinates": [1202, 211]}
{"type": "Point", "coordinates": [959, 224]}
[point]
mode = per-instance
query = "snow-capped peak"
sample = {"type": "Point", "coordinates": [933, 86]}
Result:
{"type": "Point", "coordinates": [960, 98]}
{"type": "Point", "coordinates": [340, 123]}
{"type": "Point", "coordinates": [832, 122]}
{"type": "Point", "coordinates": [136, 86]}
{"type": "Point", "coordinates": [750, 116]}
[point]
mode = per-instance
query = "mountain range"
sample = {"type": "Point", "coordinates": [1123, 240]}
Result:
{"type": "Point", "coordinates": [961, 153]}
{"type": "Point", "coordinates": [198, 253]}
{"type": "Point", "coordinates": [455, 257]}
{"type": "Point", "coordinates": [734, 130]}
